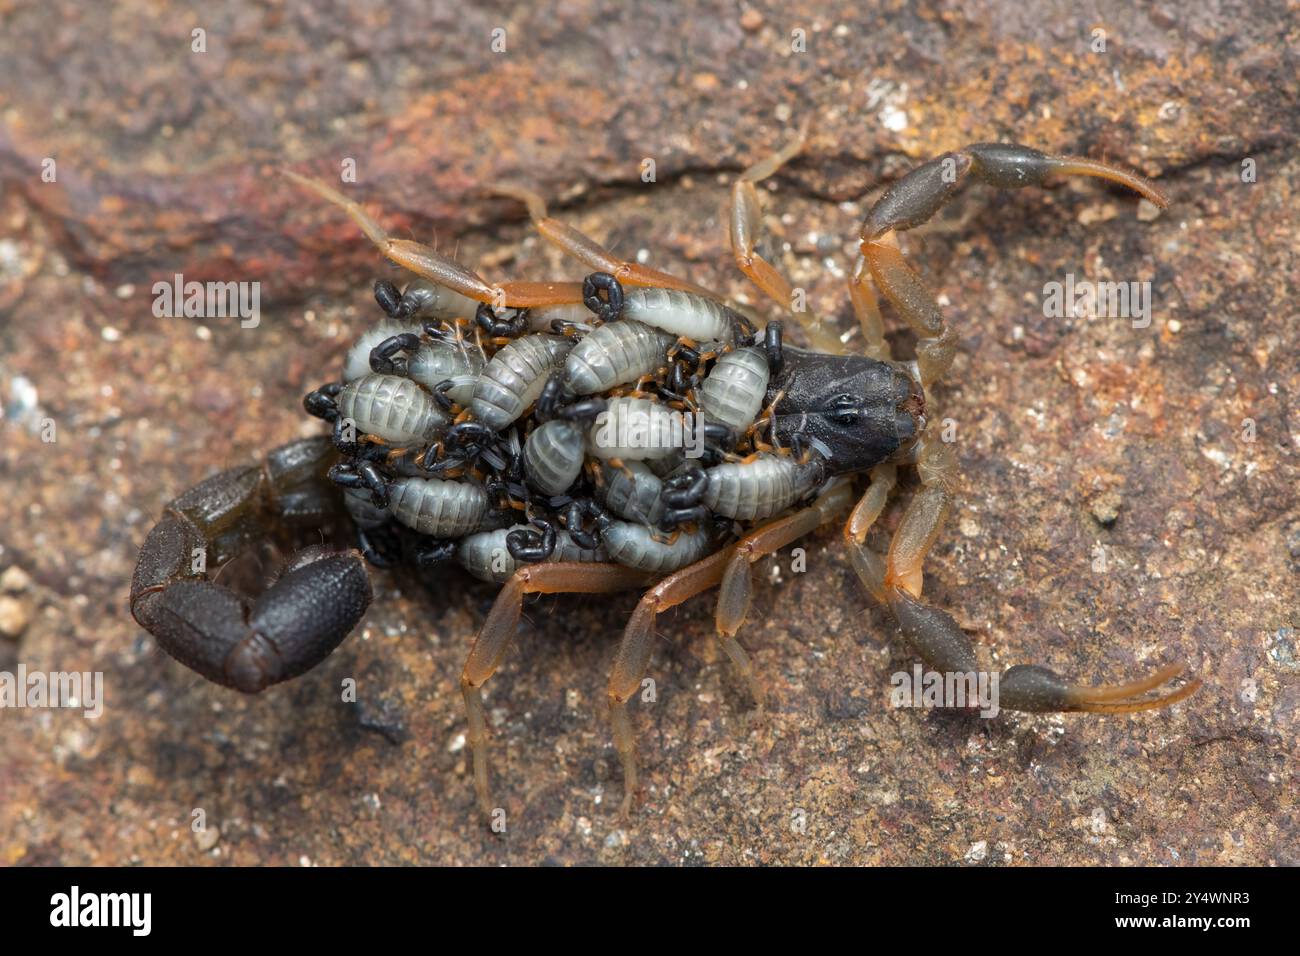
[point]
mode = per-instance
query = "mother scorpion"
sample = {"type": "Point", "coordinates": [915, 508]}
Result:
{"type": "Point", "coordinates": [445, 430]}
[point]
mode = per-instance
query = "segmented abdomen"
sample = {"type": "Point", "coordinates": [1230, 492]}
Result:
{"type": "Point", "coordinates": [357, 364]}
{"type": "Point", "coordinates": [636, 429]}
{"type": "Point", "coordinates": [441, 509]}
{"type": "Point", "coordinates": [749, 491]}
{"type": "Point", "coordinates": [438, 302]}
{"type": "Point", "coordinates": [636, 546]}
{"type": "Point", "coordinates": [515, 377]}
{"type": "Point", "coordinates": [681, 314]}
{"type": "Point", "coordinates": [392, 408]}
{"type": "Point", "coordinates": [487, 556]}
{"type": "Point", "coordinates": [733, 391]}
{"type": "Point", "coordinates": [553, 456]}
{"type": "Point", "coordinates": [615, 354]}
{"type": "Point", "coordinates": [435, 362]}
{"type": "Point", "coordinates": [633, 492]}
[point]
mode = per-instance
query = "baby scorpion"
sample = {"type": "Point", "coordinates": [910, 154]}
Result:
{"type": "Point", "coordinates": [503, 426]}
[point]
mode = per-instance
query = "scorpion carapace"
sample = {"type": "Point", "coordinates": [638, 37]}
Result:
{"type": "Point", "coordinates": [631, 430]}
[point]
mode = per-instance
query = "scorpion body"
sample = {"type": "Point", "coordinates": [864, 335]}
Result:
{"type": "Point", "coordinates": [486, 554]}
{"type": "Point", "coordinates": [436, 507]}
{"type": "Point", "coordinates": [614, 354]}
{"type": "Point", "coordinates": [392, 408]}
{"type": "Point", "coordinates": [682, 313]}
{"type": "Point", "coordinates": [554, 455]}
{"type": "Point", "coordinates": [436, 362]}
{"type": "Point", "coordinates": [643, 548]}
{"type": "Point", "coordinates": [477, 402]}
{"type": "Point", "coordinates": [514, 378]}
{"type": "Point", "coordinates": [635, 429]}
{"type": "Point", "coordinates": [633, 492]}
{"type": "Point", "coordinates": [753, 490]}
{"type": "Point", "coordinates": [734, 391]}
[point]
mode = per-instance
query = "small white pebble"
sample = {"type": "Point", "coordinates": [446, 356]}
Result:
{"type": "Point", "coordinates": [1098, 820]}
{"type": "Point", "coordinates": [207, 838]}
{"type": "Point", "coordinates": [15, 580]}
{"type": "Point", "coordinates": [893, 119]}
{"type": "Point", "coordinates": [15, 615]}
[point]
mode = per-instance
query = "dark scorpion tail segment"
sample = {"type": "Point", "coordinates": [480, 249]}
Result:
{"type": "Point", "coordinates": [249, 644]}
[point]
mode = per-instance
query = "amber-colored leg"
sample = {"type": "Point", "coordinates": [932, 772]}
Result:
{"type": "Point", "coordinates": [746, 227]}
{"type": "Point", "coordinates": [869, 566]}
{"type": "Point", "coordinates": [729, 568]}
{"type": "Point", "coordinates": [591, 253]}
{"type": "Point", "coordinates": [633, 653]}
{"type": "Point", "coordinates": [866, 307]}
{"type": "Point", "coordinates": [430, 264]}
{"type": "Point", "coordinates": [499, 630]}
{"type": "Point", "coordinates": [737, 586]}
{"type": "Point", "coordinates": [897, 581]}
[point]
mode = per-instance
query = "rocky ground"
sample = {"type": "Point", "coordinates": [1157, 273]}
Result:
{"type": "Point", "coordinates": [1130, 490]}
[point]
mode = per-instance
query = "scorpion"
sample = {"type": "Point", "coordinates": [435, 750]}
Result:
{"type": "Point", "coordinates": [466, 429]}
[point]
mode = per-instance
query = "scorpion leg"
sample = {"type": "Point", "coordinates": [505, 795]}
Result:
{"type": "Point", "coordinates": [499, 630]}
{"type": "Point", "coordinates": [633, 655]}
{"type": "Point", "coordinates": [249, 644]}
{"type": "Point", "coordinates": [866, 307]}
{"type": "Point", "coordinates": [746, 225]}
{"type": "Point", "coordinates": [728, 568]}
{"type": "Point", "coordinates": [591, 253]}
{"type": "Point", "coordinates": [897, 581]}
{"type": "Point", "coordinates": [428, 263]}
{"type": "Point", "coordinates": [736, 587]}
{"type": "Point", "coordinates": [870, 567]}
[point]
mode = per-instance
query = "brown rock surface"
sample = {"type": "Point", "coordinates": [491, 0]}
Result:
{"type": "Point", "coordinates": [1166, 454]}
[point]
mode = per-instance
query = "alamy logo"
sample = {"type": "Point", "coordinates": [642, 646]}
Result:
{"type": "Point", "coordinates": [39, 689]}
{"type": "Point", "coordinates": [103, 909]}
{"type": "Point", "coordinates": [208, 300]}
{"type": "Point", "coordinates": [956, 689]}
{"type": "Point", "coordinates": [1085, 299]}
{"type": "Point", "coordinates": [656, 427]}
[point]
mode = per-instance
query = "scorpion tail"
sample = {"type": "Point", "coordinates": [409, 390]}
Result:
{"type": "Point", "coordinates": [232, 640]}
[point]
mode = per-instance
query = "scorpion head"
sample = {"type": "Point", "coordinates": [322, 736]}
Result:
{"type": "Point", "coordinates": [856, 411]}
